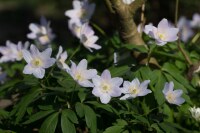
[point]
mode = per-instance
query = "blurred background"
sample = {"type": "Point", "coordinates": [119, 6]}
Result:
{"type": "Point", "coordinates": [16, 15]}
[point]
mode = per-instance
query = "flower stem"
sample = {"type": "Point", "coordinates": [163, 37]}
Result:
{"type": "Point", "coordinates": [73, 92]}
{"type": "Point", "coordinates": [74, 53]}
{"type": "Point", "coordinates": [187, 58]}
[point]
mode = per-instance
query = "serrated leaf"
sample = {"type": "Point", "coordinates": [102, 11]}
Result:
{"type": "Point", "coordinates": [90, 118]}
{"type": "Point", "coordinates": [66, 125]}
{"type": "Point", "coordinates": [38, 116]}
{"type": "Point", "coordinates": [49, 125]}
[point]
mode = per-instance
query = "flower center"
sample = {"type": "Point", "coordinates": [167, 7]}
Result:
{"type": "Point", "coordinates": [161, 36]}
{"type": "Point", "coordinates": [79, 77]}
{"type": "Point", "coordinates": [20, 55]}
{"type": "Point", "coordinates": [105, 88]}
{"type": "Point", "coordinates": [36, 62]}
{"type": "Point", "coordinates": [44, 39]}
{"type": "Point", "coordinates": [83, 13]}
{"type": "Point", "coordinates": [170, 97]}
{"type": "Point", "coordinates": [133, 90]}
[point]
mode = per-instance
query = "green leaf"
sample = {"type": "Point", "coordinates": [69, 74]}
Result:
{"type": "Point", "coordinates": [119, 71]}
{"type": "Point", "coordinates": [25, 101]}
{"type": "Point", "coordinates": [106, 107]}
{"type": "Point", "coordinates": [38, 116]}
{"type": "Point", "coordinates": [79, 109]}
{"type": "Point", "coordinates": [49, 125]}
{"type": "Point", "coordinates": [71, 115]}
{"type": "Point", "coordinates": [31, 80]}
{"type": "Point", "coordinates": [3, 114]}
{"type": "Point", "coordinates": [140, 48]}
{"type": "Point", "coordinates": [157, 128]}
{"type": "Point", "coordinates": [167, 111]}
{"type": "Point", "coordinates": [159, 87]}
{"type": "Point", "coordinates": [82, 95]}
{"type": "Point", "coordinates": [66, 125]}
{"type": "Point", "coordinates": [90, 118]}
{"type": "Point", "coordinates": [8, 85]}
{"type": "Point", "coordinates": [114, 129]}
{"type": "Point", "coordinates": [175, 73]}
{"type": "Point", "coordinates": [167, 128]}
{"type": "Point", "coordinates": [45, 107]}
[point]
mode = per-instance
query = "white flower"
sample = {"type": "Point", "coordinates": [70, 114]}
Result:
{"type": "Point", "coordinates": [18, 51]}
{"type": "Point", "coordinates": [41, 33]}
{"type": "Point", "coordinates": [12, 52]}
{"type": "Point", "coordinates": [106, 87]}
{"type": "Point", "coordinates": [128, 2]}
{"type": "Point", "coordinates": [195, 113]}
{"type": "Point", "coordinates": [2, 76]}
{"type": "Point", "coordinates": [134, 89]}
{"type": "Point", "coordinates": [163, 34]}
{"type": "Point", "coordinates": [185, 29]}
{"type": "Point", "coordinates": [173, 96]}
{"type": "Point", "coordinates": [195, 21]}
{"type": "Point", "coordinates": [81, 75]}
{"type": "Point", "coordinates": [7, 52]}
{"type": "Point", "coordinates": [37, 61]}
{"type": "Point", "coordinates": [75, 27]}
{"type": "Point", "coordinates": [82, 11]}
{"type": "Point", "coordinates": [61, 58]}
{"type": "Point", "coordinates": [87, 38]}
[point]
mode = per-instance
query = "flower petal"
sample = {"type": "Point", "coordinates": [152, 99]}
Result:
{"type": "Point", "coordinates": [105, 98]}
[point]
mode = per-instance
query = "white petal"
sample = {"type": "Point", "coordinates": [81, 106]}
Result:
{"type": "Point", "coordinates": [178, 93]}
{"type": "Point", "coordinates": [28, 69]}
{"type": "Point", "coordinates": [96, 91]}
{"type": "Point", "coordinates": [27, 56]}
{"type": "Point", "coordinates": [59, 52]}
{"type": "Point", "coordinates": [179, 101]}
{"type": "Point", "coordinates": [97, 80]}
{"type": "Point", "coordinates": [48, 63]}
{"type": "Point", "coordinates": [34, 28]}
{"type": "Point", "coordinates": [144, 84]}
{"type": "Point", "coordinates": [86, 83]}
{"type": "Point", "coordinates": [125, 97]}
{"type": "Point", "coordinates": [106, 75]}
{"type": "Point", "coordinates": [34, 50]}
{"type": "Point", "coordinates": [117, 81]}
{"type": "Point", "coordinates": [168, 87]}
{"type": "Point", "coordinates": [105, 98]}
{"type": "Point", "coordinates": [82, 65]}
{"type": "Point", "coordinates": [89, 74]}
{"type": "Point", "coordinates": [39, 72]}
{"type": "Point", "coordinates": [163, 25]}
{"type": "Point", "coordinates": [46, 53]}
{"type": "Point", "coordinates": [116, 91]}
{"type": "Point", "coordinates": [31, 36]}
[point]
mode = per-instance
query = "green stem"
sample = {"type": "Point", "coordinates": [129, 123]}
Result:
{"type": "Point", "coordinates": [187, 58]}
{"type": "Point", "coordinates": [98, 29]}
{"type": "Point", "coordinates": [74, 53]}
{"type": "Point", "coordinates": [73, 92]}
{"type": "Point", "coordinates": [167, 55]}
{"type": "Point", "coordinates": [150, 53]}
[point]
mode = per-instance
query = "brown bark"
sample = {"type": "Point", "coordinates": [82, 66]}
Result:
{"type": "Point", "coordinates": [127, 27]}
